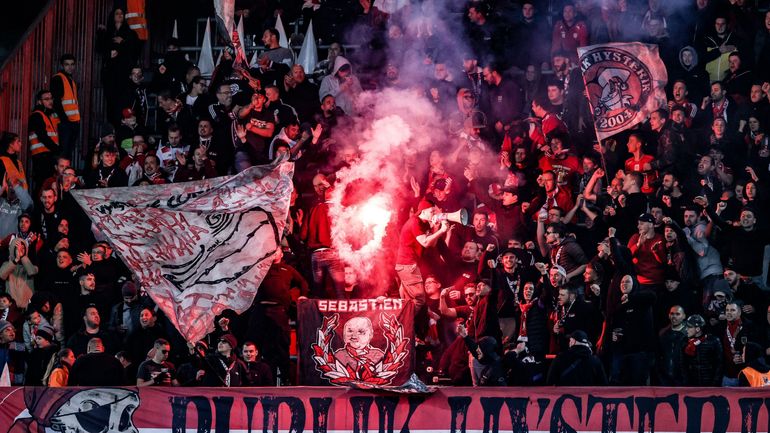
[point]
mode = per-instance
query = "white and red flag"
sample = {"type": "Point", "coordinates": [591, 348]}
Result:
{"type": "Point", "coordinates": [625, 82]}
{"type": "Point", "coordinates": [197, 248]}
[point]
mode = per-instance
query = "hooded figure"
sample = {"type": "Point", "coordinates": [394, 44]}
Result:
{"type": "Point", "coordinates": [341, 84]}
{"type": "Point", "coordinates": [692, 72]}
{"type": "Point", "coordinates": [485, 350]}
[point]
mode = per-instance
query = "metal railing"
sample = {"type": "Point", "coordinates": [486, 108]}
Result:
{"type": "Point", "coordinates": [68, 26]}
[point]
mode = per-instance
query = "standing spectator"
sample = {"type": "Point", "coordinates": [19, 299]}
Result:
{"type": "Point", "coordinates": [671, 342]}
{"type": "Point", "coordinates": [343, 85]}
{"type": "Point", "coordinates": [504, 102]}
{"type": "Point", "coordinates": [273, 50]}
{"type": "Point", "coordinates": [224, 368]}
{"type": "Point", "coordinates": [65, 101]}
{"type": "Point", "coordinates": [42, 356]}
{"type": "Point", "coordinates": [129, 366]}
{"type": "Point", "coordinates": [633, 335]}
{"type": "Point", "coordinates": [11, 356]}
{"type": "Point", "coordinates": [737, 332]}
{"type": "Point", "coordinates": [107, 173]}
{"type": "Point", "coordinates": [755, 372]}
{"type": "Point", "coordinates": [569, 33]}
{"type": "Point", "coordinates": [648, 250]}
{"type": "Point", "coordinates": [80, 341]}
{"type": "Point", "coordinates": [258, 372]}
{"type": "Point", "coordinates": [702, 357]}
{"type": "Point", "coordinates": [577, 366]}
{"type": "Point", "coordinates": [18, 271]}
{"type": "Point", "coordinates": [562, 250]}
{"type": "Point", "coordinates": [43, 126]}
{"type": "Point", "coordinates": [149, 331]}
{"type": "Point", "coordinates": [716, 47]}
{"type": "Point", "coordinates": [117, 44]}
{"type": "Point", "coordinates": [746, 242]}
{"type": "Point", "coordinates": [269, 319]}
{"type": "Point", "coordinates": [157, 371]}
{"type": "Point", "coordinates": [420, 232]}
{"type": "Point", "coordinates": [300, 93]}
{"type": "Point", "coordinates": [60, 372]}
{"type": "Point", "coordinates": [96, 368]}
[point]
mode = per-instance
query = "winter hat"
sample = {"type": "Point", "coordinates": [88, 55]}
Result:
{"type": "Point", "coordinates": [47, 332]}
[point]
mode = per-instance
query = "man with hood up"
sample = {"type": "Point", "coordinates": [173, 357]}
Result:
{"type": "Point", "coordinates": [691, 72]}
{"type": "Point", "coordinates": [341, 84]}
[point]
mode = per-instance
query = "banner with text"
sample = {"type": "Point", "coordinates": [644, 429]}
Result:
{"type": "Point", "coordinates": [625, 82]}
{"type": "Point", "coordinates": [330, 409]}
{"type": "Point", "coordinates": [200, 247]}
{"type": "Point", "coordinates": [366, 343]}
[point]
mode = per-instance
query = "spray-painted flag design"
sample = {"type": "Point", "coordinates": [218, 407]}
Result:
{"type": "Point", "coordinates": [625, 83]}
{"type": "Point", "coordinates": [197, 248]}
{"type": "Point", "coordinates": [365, 343]}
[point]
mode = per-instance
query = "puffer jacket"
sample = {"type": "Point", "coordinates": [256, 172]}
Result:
{"type": "Point", "coordinates": [705, 367]}
{"type": "Point", "coordinates": [538, 336]}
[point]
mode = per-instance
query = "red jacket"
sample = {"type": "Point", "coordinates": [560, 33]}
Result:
{"type": "Point", "coordinates": [317, 230]}
{"type": "Point", "coordinates": [649, 259]}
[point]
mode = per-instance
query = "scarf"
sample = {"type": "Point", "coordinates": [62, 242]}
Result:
{"type": "Point", "coordinates": [692, 345]}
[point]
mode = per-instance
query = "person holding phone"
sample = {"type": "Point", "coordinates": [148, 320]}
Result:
{"type": "Point", "coordinates": [157, 371]}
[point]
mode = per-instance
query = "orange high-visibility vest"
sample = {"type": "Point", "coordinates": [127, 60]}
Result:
{"type": "Point", "coordinates": [136, 19]}
{"type": "Point", "coordinates": [755, 378]}
{"type": "Point", "coordinates": [69, 100]}
{"type": "Point", "coordinates": [16, 171]}
{"type": "Point", "coordinates": [35, 146]}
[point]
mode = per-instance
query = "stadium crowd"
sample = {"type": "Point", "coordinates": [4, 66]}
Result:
{"type": "Point", "coordinates": [638, 260]}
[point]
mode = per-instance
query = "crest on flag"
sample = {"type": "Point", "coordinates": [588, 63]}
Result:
{"type": "Point", "coordinates": [365, 343]}
{"type": "Point", "coordinates": [197, 248]}
{"type": "Point", "coordinates": [624, 83]}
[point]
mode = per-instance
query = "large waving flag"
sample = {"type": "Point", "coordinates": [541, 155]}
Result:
{"type": "Point", "coordinates": [197, 248]}
{"type": "Point", "coordinates": [625, 83]}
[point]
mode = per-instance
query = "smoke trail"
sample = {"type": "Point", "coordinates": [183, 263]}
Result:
{"type": "Point", "coordinates": [368, 194]}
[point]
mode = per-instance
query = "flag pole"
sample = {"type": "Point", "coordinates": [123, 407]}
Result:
{"type": "Point", "coordinates": [593, 123]}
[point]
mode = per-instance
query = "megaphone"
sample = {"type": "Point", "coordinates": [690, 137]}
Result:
{"type": "Point", "coordinates": [460, 217]}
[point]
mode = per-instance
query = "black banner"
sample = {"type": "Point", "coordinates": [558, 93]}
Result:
{"type": "Point", "coordinates": [366, 343]}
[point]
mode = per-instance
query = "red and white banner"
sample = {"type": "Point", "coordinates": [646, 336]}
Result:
{"type": "Point", "coordinates": [625, 82]}
{"type": "Point", "coordinates": [336, 409]}
{"type": "Point", "coordinates": [197, 248]}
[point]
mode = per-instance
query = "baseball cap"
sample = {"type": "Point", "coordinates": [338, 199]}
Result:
{"type": "Point", "coordinates": [648, 218]}
{"type": "Point", "coordinates": [695, 321]}
{"type": "Point", "coordinates": [580, 337]}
